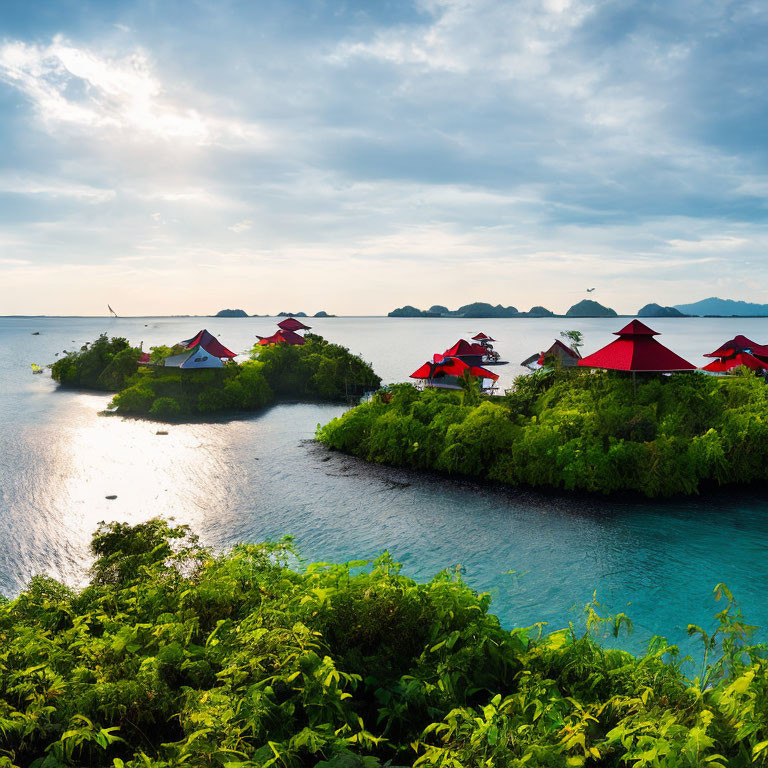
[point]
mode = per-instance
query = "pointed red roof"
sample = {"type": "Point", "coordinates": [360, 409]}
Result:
{"type": "Point", "coordinates": [729, 363]}
{"type": "Point", "coordinates": [209, 343]}
{"type": "Point", "coordinates": [636, 350]}
{"type": "Point", "coordinates": [282, 337]}
{"type": "Point", "coordinates": [482, 337]}
{"type": "Point", "coordinates": [739, 344]}
{"type": "Point", "coordinates": [292, 324]}
{"type": "Point", "coordinates": [450, 366]}
{"type": "Point", "coordinates": [636, 328]}
{"type": "Point", "coordinates": [559, 350]}
{"type": "Point", "coordinates": [463, 348]}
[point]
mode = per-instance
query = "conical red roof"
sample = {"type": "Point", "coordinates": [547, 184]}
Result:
{"type": "Point", "coordinates": [292, 324]}
{"type": "Point", "coordinates": [636, 350]}
{"type": "Point", "coordinates": [482, 337]}
{"type": "Point", "coordinates": [209, 343]}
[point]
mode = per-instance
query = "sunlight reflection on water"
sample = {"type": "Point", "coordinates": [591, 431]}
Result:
{"type": "Point", "coordinates": [257, 477]}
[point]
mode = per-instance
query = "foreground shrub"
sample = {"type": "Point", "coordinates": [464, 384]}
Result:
{"type": "Point", "coordinates": [173, 656]}
{"type": "Point", "coordinates": [573, 430]}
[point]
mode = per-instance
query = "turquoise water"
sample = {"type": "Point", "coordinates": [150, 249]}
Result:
{"type": "Point", "coordinates": [262, 477]}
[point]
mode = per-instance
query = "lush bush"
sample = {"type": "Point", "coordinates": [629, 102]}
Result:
{"type": "Point", "coordinates": [105, 364]}
{"type": "Point", "coordinates": [173, 392]}
{"type": "Point", "coordinates": [316, 370]}
{"type": "Point", "coordinates": [173, 657]}
{"type": "Point", "coordinates": [592, 431]}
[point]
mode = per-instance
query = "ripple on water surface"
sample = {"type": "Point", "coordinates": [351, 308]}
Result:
{"type": "Point", "coordinates": [260, 477]}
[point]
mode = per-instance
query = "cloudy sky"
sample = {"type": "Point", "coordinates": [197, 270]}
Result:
{"type": "Point", "coordinates": [181, 156]}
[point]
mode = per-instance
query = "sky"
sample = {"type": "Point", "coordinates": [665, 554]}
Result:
{"type": "Point", "coordinates": [184, 156]}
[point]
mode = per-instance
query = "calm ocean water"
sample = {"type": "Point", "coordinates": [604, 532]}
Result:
{"type": "Point", "coordinates": [259, 477]}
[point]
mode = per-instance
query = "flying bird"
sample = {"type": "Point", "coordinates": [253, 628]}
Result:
{"type": "Point", "coordinates": [589, 290]}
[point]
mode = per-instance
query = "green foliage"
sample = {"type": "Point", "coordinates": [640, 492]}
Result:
{"type": "Point", "coordinates": [573, 429]}
{"type": "Point", "coordinates": [175, 657]}
{"type": "Point", "coordinates": [106, 364]}
{"type": "Point", "coordinates": [316, 370]}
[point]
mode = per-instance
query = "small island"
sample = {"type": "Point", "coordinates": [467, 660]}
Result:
{"type": "Point", "coordinates": [231, 313]}
{"type": "Point", "coordinates": [656, 310]}
{"type": "Point", "coordinates": [590, 308]}
{"type": "Point", "coordinates": [572, 429]}
{"type": "Point", "coordinates": [476, 310]}
{"type": "Point", "coordinates": [158, 384]}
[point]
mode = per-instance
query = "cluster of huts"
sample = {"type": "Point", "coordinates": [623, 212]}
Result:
{"type": "Point", "coordinates": [461, 361]}
{"type": "Point", "coordinates": [204, 350]}
{"type": "Point", "coordinates": [637, 350]}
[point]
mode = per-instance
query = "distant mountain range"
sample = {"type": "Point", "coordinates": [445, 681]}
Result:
{"type": "Point", "coordinates": [243, 313]}
{"type": "Point", "coordinates": [585, 308]}
{"type": "Point", "coordinates": [724, 308]}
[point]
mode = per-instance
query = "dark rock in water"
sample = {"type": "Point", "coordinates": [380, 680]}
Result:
{"type": "Point", "coordinates": [35, 333]}
{"type": "Point", "coordinates": [111, 498]}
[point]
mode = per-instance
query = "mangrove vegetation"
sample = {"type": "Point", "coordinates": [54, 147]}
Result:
{"type": "Point", "coordinates": [174, 656]}
{"type": "Point", "coordinates": [316, 370]}
{"type": "Point", "coordinates": [572, 429]}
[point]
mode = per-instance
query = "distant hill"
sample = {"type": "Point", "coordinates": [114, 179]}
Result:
{"type": "Point", "coordinates": [724, 308]}
{"type": "Point", "coordinates": [478, 309]}
{"type": "Point", "coordinates": [589, 308]}
{"type": "Point", "coordinates": [322, 313]}
{"type": "Point", "coordinates": [539, 312]}
{"type": "Point", "coordinates": [656, 310]}
{"type": "Point", "coordinates": [291, 314]}
{"type": "Point", "coordinates": [474, 310]}
{"type": "Point", "coordinates": [231, 313]}
{"type": "Point", "coordinates": [407, 311]}
{"type": "Point", "coordinates": [482, 309]}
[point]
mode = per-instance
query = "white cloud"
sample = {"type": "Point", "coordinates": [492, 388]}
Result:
{"type": "Point", "coordinates": [241, 226]}
{"type": "Point", "coordinates": [78, 87]}
{"type": "Point", "coordinates": [54, 188]}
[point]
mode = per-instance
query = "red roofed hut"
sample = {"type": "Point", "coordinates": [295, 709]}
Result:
{"type": "Point", "coordinates": [445, 372]}
{"type": "Point", "coordinates": [637, 351]}
{"type": "Point", "coordinates": [209, 343]}
{"type": "Point", "coordinates": [472, 354]}
{"type": "Point", "coordinates": [728, 363]}
{"type": "Point", "coordinates": [292, 324]}
{"type": "Point", "coordinates": [282, 337]}
{"type": "Point", "coordinates": [736, 352]}
{"type": "Point", "coordinates": [564, 355]}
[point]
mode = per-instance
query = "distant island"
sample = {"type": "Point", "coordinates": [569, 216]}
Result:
{"type": "Point", "coordinates": [231, 313]}
{"type": "Point", "coordinates": [481, 309]}
{"type": "Point", "coordinates": [715, 307]}
{"type": "Point", "coordinates": [589, 308]}
{"type": "Point", "coordinates": [322, 313]}
{"type": "Point", "coordinates": [656, 310]}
